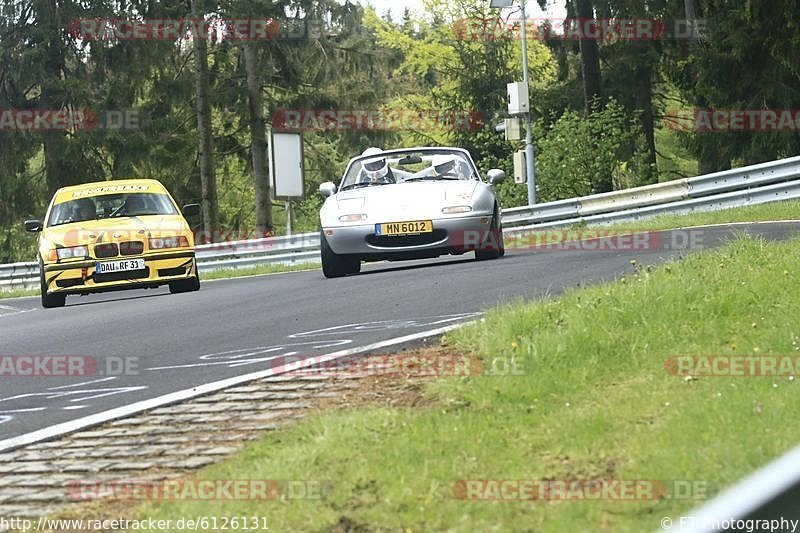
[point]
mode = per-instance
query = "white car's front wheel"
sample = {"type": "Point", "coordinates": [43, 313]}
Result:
{"type": "Point", "coordinates": [336, 265]}
{"type": "Point", "coordinates": [493, 247]}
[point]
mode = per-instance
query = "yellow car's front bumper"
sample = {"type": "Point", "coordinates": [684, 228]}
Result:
{"type": "Point", "coordinates": [79, 277]}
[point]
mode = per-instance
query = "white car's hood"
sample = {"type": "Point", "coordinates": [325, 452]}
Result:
{"type": "Point", "coordinates": [403, 200]}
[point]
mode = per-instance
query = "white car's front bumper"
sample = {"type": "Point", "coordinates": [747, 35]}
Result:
{"type": "Point", "coordinates": [450, 235]}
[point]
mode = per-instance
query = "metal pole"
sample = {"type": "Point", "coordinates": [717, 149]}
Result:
{"type": "Point", "coordinates": [530, 166]}
{"type": "Point", "coordinates": [288, 217]}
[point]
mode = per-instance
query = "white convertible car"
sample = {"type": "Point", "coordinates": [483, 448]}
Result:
{"type": "Point", "coordinates": [410, 203]}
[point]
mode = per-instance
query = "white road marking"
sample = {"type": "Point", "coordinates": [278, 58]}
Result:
{"type": "Point", "coordinates": [92, 393]}
{"type": "Point", "coordinates": [243, 356]}
{"type": "Point", "coordinates": [385, 325]}
{"type": "Point", "coordinates": [81, 384]}
{"type": "Point", "coordinates": [8, 415]}
{"type": "Point", "coordinates": [174, 397]}
{"type": "Point", "coordinates": [7, 310]}
{"type": "Point", "coordinates": [229, 364]}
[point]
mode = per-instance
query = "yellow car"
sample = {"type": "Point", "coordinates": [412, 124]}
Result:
{"type": "Point", "coordinates": [112, 235]}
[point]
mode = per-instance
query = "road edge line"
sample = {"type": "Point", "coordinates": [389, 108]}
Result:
{"type": "Point", "coordinates": [65, 428]}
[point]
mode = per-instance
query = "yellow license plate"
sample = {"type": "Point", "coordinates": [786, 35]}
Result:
{"type": "Point", "coordinates": [404, 228]}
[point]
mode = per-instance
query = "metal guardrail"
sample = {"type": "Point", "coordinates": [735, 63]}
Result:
{"type": "Point", "coordinates": [666, 197]}
{"type": "Point", "coordinates": [751, 185]}
{"type": "Point", "coordinates": [19, 276]}
{"type": "Point", "coordinates": [299, 248]}
{"type": "Point", "coordinates": [770, 494]}
{"type": "Point", "coordinates": [284, 250]}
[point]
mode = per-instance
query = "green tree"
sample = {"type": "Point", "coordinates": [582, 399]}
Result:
{"type": "Point", "coordinates": [578, 153]}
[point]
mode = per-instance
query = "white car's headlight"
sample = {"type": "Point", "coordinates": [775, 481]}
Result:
{"type": "Point", "coordinates": [72, 252]}
{"type": "Point", "coordinates": [456, 209]}
{"type": "Point", "coordinates": [356, 217]}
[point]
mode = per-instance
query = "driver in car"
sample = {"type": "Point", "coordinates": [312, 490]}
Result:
{"type": "Point", "coordinates": [85, 210]}
{"type": "Point", "coordinates": [447, 165]}
{"type": "Point", "coordinates": [135, 205]}
{"type": "Point", "coordinates": [377, 171]}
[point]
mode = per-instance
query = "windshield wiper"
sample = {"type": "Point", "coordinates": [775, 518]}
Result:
{"type": "Point", "coordinates": [437, 177]}
{"type": "Point", "coordinates": [359, 185]}
{"type": "Point", "coordinates": [114, 215]}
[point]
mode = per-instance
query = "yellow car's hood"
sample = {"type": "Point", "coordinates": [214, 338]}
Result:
{"type": "Point", "coordinates": [117, 229]}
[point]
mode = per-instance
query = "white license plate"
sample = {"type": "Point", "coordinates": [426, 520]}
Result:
{"type": "Point", "coordinates": [119, 266]}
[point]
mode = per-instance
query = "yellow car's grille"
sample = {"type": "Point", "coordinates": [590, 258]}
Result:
{"type": "Point", "coordinates": [131, 247]}
{"type": "Point", "coordinates": [108, 249]}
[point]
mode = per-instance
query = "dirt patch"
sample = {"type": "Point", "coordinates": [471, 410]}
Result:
{"type": "Point", "coordinates": [396, 380]}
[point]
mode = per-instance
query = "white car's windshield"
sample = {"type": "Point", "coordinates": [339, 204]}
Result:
{"type": "Point", "coordinates": [408, 166]}
{"type": "Point", "coordinates": [109, 206]}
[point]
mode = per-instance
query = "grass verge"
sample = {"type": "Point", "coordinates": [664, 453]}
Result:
{"type": "Point", "coordinates": [595, 403]}
{"type": "Point", "coordinates": [258, 270]}
{"type": "Point", "coordinates": [784, 210]}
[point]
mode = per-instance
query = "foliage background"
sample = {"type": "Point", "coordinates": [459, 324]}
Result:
{"type": "Point", "coordinates": [611, 137]}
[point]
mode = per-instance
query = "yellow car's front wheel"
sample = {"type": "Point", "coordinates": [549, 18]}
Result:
{"type": "Point", "coordinates": [49, 300]}
{"type": "Point", "coordinates": [186, 285]}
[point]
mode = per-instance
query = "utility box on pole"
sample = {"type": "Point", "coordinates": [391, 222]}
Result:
{"type": "Point", "coordinates": [512, 129]}
{"type": "Point", "coordinates": [517, 98]}
{"type": "Point", "coordinates": [519, 167]}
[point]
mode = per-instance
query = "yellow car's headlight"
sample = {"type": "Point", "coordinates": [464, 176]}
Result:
{"type": "Point", "coordinates": [72, 252]}
{"type": "Point", "coordinates": [169, 242]}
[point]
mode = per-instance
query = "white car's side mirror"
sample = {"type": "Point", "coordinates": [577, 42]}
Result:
{"type": "Point", "coordinates": [327, 188]}
{"type": "Point", "coordinates": [496, 176]}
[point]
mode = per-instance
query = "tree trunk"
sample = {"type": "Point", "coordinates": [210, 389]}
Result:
{"type": "Point", "coordinates": [258, 145]}
{"type": "Point", "coordinates": [208, 179]}
{"type": "Point", "coordinates": [645, 103]}
{"type": "Point", "coordinates": [590, 58]}
{"type": "Point", "coordinates": [58, 171]}
{"type": "Point", "coordinates": [690, 8]}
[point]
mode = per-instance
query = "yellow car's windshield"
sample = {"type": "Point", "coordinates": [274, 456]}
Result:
{"type": "Point", "coordinates": [110, 206]}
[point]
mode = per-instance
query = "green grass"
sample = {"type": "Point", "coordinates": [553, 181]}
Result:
{"type": "Point", "coordinates": [19, 293]}
{"type": "Point", "coordinates": [258, 270]}
{"type": "Point", "coordinates": [784, 210]}
{"type": "Point", "coordinates": [673, 160]}
{"type": "Point", "coordinates": [597, 403]}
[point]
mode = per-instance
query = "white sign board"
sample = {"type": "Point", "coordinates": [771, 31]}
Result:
{"type": "Point", "coordinates": [285, 152]}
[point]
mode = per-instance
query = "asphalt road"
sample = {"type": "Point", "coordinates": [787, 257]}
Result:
{"type": "Point", "coordinates": [234, 327]}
